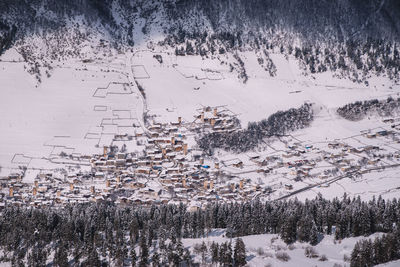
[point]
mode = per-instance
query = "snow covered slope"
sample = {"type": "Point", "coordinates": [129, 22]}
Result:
{"type": "Point", "coordinates": [264, 250]}
{"type": "Point", "coordinates": [75, 78]}
{"type": "Point", "coordinates": [85, 102]}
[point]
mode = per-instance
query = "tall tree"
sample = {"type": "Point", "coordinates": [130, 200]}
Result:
{"type": "Point", "coordinates": [93, 260]}
{"type": "Point", "coordinates": [288, 229]}
{"type": "Point", "coordinates": [155, 259]}
{"type": "Point", "coordinates": [239, 256]}
{"type": "Point", "coordinates": [61, 256]}
{"type": "Point", "coordinates": [37, 257]}
{"type": "Point", "coordinates": [144, 250]}
{"type": "Point", "coordinates": [214, 252]}
{"type": "Point", "coordinates": [133, 257]}
{"type": "Point", "coordinates": [313, 235]}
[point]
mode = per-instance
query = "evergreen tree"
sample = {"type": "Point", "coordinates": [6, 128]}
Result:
{"type": "Point", "coordinates": [80, 229]}
{"type": "Point", "coordinates": [304, 227]}
{"type": "Point", "coordinates": [239, 256]}
{"type": "Point", "coordinates": [144, 251]}
{"type": "Point", "coordinates": [77, 253]}
{"type": "Point", "coordinates": [356, 256]}
{"type": "Point", "coordinates": [170, 253]}
{"type": "Point", "coordinates": [214, 252]}
{"type": "Point", "coordinates": [227, 258]}
{"type": "Point", "coordinates": [119, 258]}
{"type": "Point", "coordinates": [189, 48]}
{"type": "Point", "coordinates": [61, 256]}
{"type": "Point", "coordinates": [288, 230]}
{"type": "Point", "coordinates": [314, 235]}
{"type": "Point", "coordinates": [37, 257]}
{"type": "Point", "coordinates": [155, 259]}
{"type": "Point", "coordinates": [178, 253]}
{"type": "Point", "coordinates": [133, 257]}
{"type": "Point", "coordinates": [222, 252]}
{"type": "Point", "coordinates": [203, 250]}
{"type": "Point", "coordinates": [379, 251]}
{"type": "Point", "coordinates": [93, 259]}
{"type": "Point", "coordinates": [187, 258]}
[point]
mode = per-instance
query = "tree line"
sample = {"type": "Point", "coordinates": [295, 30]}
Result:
{"type": "Point", "coordinates": [353, 59]}
{"type": "Point", "coordinates": [279, 123]}
{"type": "Point", "coordinates": [354, 48]}
{"type": "Point", "coordinates": [311, 20]}
{"type": "Point", "coordinates": [360, 109]}
{"type": "Point", "coordinates": [381, 250]}
{"type": "Point", "coordinates": [102, 234]}
{"type": "Point", "coordinates": [7, 36]}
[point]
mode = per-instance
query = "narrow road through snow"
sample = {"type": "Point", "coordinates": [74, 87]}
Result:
{"type": "Point", "coordinates": [335, 179]}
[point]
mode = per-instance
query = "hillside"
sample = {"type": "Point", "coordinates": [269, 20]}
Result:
{"type": "Point", "coordinates": [115, 111]}
{"type": "Point", "coordinates": [85, 75]}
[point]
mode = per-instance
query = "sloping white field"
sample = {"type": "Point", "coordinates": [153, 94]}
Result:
{"type": "Point", "coordinates": [174, 87]}
{"type": "Point", "coordinates": [270, 245]}
{"type": "Point", "coordinates": [61, 114]}
{"type": "Point", "coordinates": [181, 83]}
{"type": "Point", "coordinates": [81, 106]}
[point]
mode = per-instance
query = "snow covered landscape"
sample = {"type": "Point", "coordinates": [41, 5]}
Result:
{"type": "Point", "coordinates": [136, 106]}
{"type": "Point", "coordinates": [57, 126]}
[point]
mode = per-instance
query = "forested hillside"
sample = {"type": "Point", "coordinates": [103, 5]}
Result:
{"type": "Point", "coordinates": [354, 39]}
{"type": "Point", "coordinates": [341, 20]}
{"type": "Point", "coordinates": [98, 234]}
{"type": "Point", "coordinates": [142, 78]}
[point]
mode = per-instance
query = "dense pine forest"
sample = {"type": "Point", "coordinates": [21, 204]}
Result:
{"type": "Point", "coordinates": [341, 20]}
{"type": "Point", "coordinates": [103, 233]}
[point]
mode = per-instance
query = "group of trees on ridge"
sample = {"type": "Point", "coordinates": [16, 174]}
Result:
{"type": "Point", "coordinates": [360, 109]}
{"type": "Point", "coordinates": [353, 59]}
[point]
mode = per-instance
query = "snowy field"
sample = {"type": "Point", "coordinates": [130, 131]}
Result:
{"type": "Point", "coordinates": [261, 250]}
{"type": "Point", "coordinates": [180, 84]}
{"type": "Point", "coordinates": [82, 106]}
{"type": "Point", "coordinates": [77, 110]}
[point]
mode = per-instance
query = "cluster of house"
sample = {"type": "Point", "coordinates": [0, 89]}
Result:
{"type": "Point", "coordinates": [171, 170]}
{"type": "Point", "coordinates": [340, 156]}
{"type": "Point", "coordinates": [48, 189]}
{"type": "Point", "coordinates": [168, 170]}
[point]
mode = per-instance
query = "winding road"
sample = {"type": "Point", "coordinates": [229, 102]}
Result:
{"type": "Point", "coordinates": [335, 179]}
